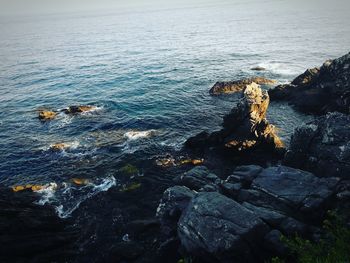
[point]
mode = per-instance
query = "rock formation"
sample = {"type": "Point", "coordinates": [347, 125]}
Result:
{"type": "Point", "coordinates": [227, 87]}
{"type": "Point", "coordinates": [45, 115]}
{"type": "Point", "coordinates": [243, 219]}
{"type": "Point", "coordinates": [78, 109]}
{"type": "Point", "coordinates": [245, 128]}
{"type": "Point", "coordinates": [319, 90]}
{"type": "Point", "coordinates": [322, 146]}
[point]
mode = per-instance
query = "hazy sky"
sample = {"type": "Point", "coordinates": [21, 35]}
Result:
{"type": "Point", "coordinates": [57, 6]}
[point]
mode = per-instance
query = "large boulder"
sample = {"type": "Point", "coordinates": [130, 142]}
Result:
{"type": "Point", "coordinates": [174, 201]}
{"type": "Point", "coordinates": [198, 178]}
{"type": "Point", "coordinates": [227, 87]}
{"type": "Point", "coordinates": [243, 220]}
{"type": "Point", "coordinates": [217, 228]}
{"type": "Point", "coordinates": [244, 128]}
{"type": "Point", "coordinates": [319, 90]}
{"type": "Point", "coordinates": [322, 146]}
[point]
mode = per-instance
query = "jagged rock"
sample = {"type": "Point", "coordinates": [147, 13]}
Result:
{"type": "Point", "coordinates": [47, 115]}
{"type": "Point", "coordinates": [319, 90]}
{"type": "Point", "coordinates": [301, 191]}
{"type": "Point", "coordinates": [197, 178]}
{"type": "Point", "coordinates": [322, 146]}
{"type": "Point", "coordinates": [174, 201]}
{"type": "Point", "coordinates": [227, 87]}
{"type": "Point", "coordinates": [217, 228]}
{"type": "Point", "coordinates": [245, 128]}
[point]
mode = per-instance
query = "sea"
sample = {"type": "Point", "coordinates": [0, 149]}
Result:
{"type": "Point", "coordinates": [147, 72]}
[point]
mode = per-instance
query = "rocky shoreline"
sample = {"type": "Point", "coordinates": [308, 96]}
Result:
{"type": "Point", "coordinates": [269, 191]}
{"type": "Point", "coordinates": [242, 218]}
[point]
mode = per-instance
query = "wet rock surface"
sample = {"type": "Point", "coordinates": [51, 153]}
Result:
{"type": "Point", "coordinates": [322, 146]}
{"type": "Point", "coordinates": [46, 115]}
{"type": "Point", "coordinates": [227, 87]}
{"type": "Point", "coordinates": [243, 219]}
{"type": "Point", "coordinates": [319, 90]}
{"type": "Point", "coordinates": [33, 233]}
{"type": "Point", "coordinates": [244, 128]}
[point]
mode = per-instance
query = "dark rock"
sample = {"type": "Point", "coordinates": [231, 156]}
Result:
{"type": "Point", "coordinates": [322, 146]}
{"type": "Point", "coordinates": [174, 201]}
{"type": "Point", "coordinates": [319, 90]}
{"type": "Point", "coordinates": [300, 190]}
{"type": "Point", "coordinates": [227, 87]}
{"type": "Point", "coordinates": [308, 77]}
{"type": "Point", "coordinates": [33, 233]}
{"type": "Point", "coordinates": [217, 228]}
{"type": "Point", "coordinates": [258, 68]}
{"type": "Point", "coordinates": [79, 109]}
{"type": "Point", "coordinates": [126, 251]}
{"type": "Point", "coordinates": [139, 226]}
{"type": "Point", "coordinates": [243, 219]}
{"type": "Point", "coordinates": [197, 178]}
{"type": "Point", "coordinates": [272, 242]}
{"type": "Point", "coordinates": [245, 128]}
{"type": "Point", "coordinates": [245, 174]}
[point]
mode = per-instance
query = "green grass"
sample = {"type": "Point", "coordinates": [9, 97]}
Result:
{"type": "Point", "coordinates": [333, 247]}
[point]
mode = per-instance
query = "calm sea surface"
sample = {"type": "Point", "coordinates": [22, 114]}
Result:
{"type": "Point", "coordinates": [147, 72]}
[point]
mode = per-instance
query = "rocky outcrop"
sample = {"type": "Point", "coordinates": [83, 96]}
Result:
{"type": "Point", "coordinates": [45, 115]}
{"type": "Point", "coordinates": [217, 228]}
{"type": "Point", "coordinates": [322, 146]}
{"type": "Point", "coordinates": [79, 109]}
{"type": "Point", "coordinates": [227, 87]}
{"type": "Point", "coordinates": [319, 90]}
{"type": "Point", "coordinates": [243, 220]}
{"type": "Point", "coordinates": [198, 178]}
{"type": "Point", "coordinates": [245, 128]}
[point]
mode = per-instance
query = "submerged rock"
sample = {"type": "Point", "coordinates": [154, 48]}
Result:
{"type": "Point", "coordinates": [46, 115]}
{"type": "Point", "coordinates": [237, 86]}
{"type": "Point", "coordinates": [319, 90]}
{"type": "Point", "coordinates": [79, 109]}
{"type": "Point", "coordinates": [34, 187]}
{"type": "Point", "coordinates": [131, 187]}
{"type": "Point", "coordinates": [245, 128]}
{"type": "Point", "coordinates": [258, 68]}
{"type": "Point", "coordinates": [322, 146]}
{"type": "Point", "coordinates": [81, 181]}
{"type": "Point", "coordinates": [59, 146]}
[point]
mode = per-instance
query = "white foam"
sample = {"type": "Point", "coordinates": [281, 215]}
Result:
{"type": "Point", "coordinates": [281, 68]}
{"type": "Point", "coordinates": [47, 193]}
{"type": "Point", "coordinates": [92, 110]}
{"type": "Point", "coordinates": [136, 135]}
{"type": "Point", "coordinates": [74, 196]}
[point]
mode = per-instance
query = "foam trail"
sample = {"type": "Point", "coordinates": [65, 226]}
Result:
{"type": "Point", "coordinates": [135, 135]}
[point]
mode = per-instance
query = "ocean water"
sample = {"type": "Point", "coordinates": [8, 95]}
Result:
{"type": "Point", "coordinates": [148, 72]}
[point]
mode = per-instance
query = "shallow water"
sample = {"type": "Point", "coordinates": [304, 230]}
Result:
{"type": "Point", "coordinates": [147, 72]}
